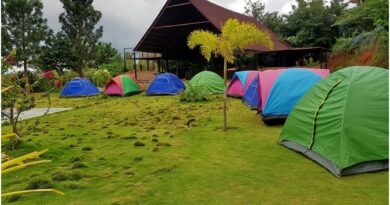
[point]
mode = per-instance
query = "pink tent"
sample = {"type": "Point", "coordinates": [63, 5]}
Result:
{"type": "Point", "coordinates": [235, 88]}
{"type": "Point", "coordinates": [268, 77]}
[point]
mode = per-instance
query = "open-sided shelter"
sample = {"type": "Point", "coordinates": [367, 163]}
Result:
{"type": "Point", "coordinates": [178, 18]}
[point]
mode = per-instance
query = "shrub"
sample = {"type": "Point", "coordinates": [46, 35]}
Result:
{"type": "Point", "coordinates": [194, 95]}
{"type": "Point", "coordinates": [101, 77]}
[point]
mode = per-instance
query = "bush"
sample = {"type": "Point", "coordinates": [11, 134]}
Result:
{"type": "Point", "coordinates": [194, 95]}
{"type": "Point", "coordinates": [101, 77]}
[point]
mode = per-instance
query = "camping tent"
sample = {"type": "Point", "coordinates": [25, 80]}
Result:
{"type": "Point", "coordinates": [79, 87]}
{"type": "Point", "coordinates": [237, 84]}
{"type": "Point", "coordinates": [122, 85]}
{"type": "Point", "coordinates": [165, 84]}
{"type": "Point", "coordinates": [251, 95]}
{"type": "Point", "coordinates": [207, 82]}
{"type": "Point", "coordinates": [240, 82]}
{"type": "Point", "coordinates": [287, 89]}
{"type": "Point", "coordinates": [260, 84]}
{"type": "Point", "coordinates": [268, 77]}
{"type": "Point", "coordinates": [342, 122]}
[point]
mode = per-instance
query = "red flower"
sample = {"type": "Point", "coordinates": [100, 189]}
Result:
{"type": "Point", "coordinates": [58, 83]}
{"type": "Point", "coordinates": [48, 74]}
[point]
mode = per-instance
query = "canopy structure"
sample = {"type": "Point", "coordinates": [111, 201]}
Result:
{"type": "Point", "coordinates": [178, 18]}
{"type": "Point", "coordinates": [342, 122]}
{"type": "Point", "coordinates": [207, 82]}
{"type": "Point", "coordinates": [122, 85]}
{"type": "Point", "coordinates": [79, 87]}
{"type": "Point", "coordinates": [165, 84]}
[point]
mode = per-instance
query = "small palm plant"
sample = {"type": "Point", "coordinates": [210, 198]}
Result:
{"type": "Point", "coordinates": [235, 38]}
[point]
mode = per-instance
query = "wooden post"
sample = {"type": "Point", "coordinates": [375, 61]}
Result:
{"type": "Point", "coordinates": [135, 66]}
{"type": "Point", "coordinates": [124, 60]}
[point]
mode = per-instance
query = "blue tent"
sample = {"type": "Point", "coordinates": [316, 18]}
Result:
{"type": "Point", "coordinates": [287, 89]}
{"type": "Point", "coordinates": [79, 87]}
{"type": "Point", "coordinates": [165, 84]}
{"type": "Point", "coordinates": [251, 96]}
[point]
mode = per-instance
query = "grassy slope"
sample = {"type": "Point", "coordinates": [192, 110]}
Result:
{"type": "Point", "coordinates": [203, 165]}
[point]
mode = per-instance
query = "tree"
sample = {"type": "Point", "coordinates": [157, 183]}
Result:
{"type": "Point", "coordinates": [235, 38]}
{"type": "Point", "coordinates": [78, 26]}
{"type": "Point", "coordinates": [366, 17]}
{"type": "Point", "coordinates": [24, 28]}
{"type": "Point", "coordinates": [311, 23]}
{"type": "Point", "coordinates": [105, 53]}
{"type": "Point", "coordinates": [256, 9]}
{"type": "Point", "coordinates": [57, 54]}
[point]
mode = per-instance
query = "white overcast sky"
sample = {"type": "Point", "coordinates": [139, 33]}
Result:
{"type": "Point", "coordinates": [125, 21]}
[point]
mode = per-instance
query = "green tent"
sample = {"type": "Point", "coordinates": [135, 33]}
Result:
{"type": "Point", "coordinates": [207, 82]}
{"type": "Point", "coordinates": [342, 122]}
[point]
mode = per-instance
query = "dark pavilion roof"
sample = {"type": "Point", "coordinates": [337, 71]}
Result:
{"type": "Point", "coordinates": [178, 18]}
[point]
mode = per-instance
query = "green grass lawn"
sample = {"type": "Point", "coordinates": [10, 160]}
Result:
{"type": "Point", "coordinates": [199, 164]}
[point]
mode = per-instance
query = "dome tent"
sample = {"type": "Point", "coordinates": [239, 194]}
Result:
{"type": "Point", "coordinates": [239, 83]}
{"type": "Point", "coordinates": [268, 78]}
{"type": "Point", "coordinates": [207, 82]}
{"type": "Point", "coordinates": [79, 87]}
{"type": "Point", "coordinates": [342, 122]}
{"type": "Point", "coordinates": [251, 95]}
{"type": "Point", "coordinates": [122, 85]}
{"type": "Point", "coordinates": [286, 90]}
{"type": "Point", "coordinates": [165, 84]}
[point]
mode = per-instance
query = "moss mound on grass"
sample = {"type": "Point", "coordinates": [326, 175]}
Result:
{"type": "Point", "coordinates": [39, 183]}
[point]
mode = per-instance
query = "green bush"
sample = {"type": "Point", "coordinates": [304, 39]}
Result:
{"type": "Point", "coordinates": [193, 95]}
{"type": "Point", "coordinates": [101, 77]}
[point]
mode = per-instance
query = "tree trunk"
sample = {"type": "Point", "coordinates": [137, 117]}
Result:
{"type": "Point", "coordinates": [81, 73]}
{"type": "Point", "coordinates": [225, 95]}
{"type": "Point", "coordinates": [27, 81]}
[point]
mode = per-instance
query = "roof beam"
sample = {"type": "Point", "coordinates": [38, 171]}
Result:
{"type": "Point", "coordinates": [177, 5]}
{"type": "Point", "coordinates": [180, 25]}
